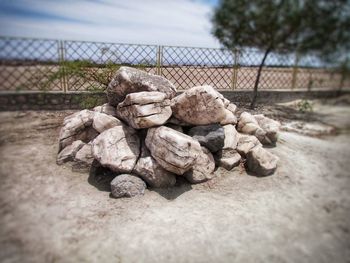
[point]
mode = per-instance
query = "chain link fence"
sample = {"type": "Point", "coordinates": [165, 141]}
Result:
{"type": "Point", "coordinates": [56, 65]}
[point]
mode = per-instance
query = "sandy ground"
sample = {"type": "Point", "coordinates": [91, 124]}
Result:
{"type": "Point", "coordinates": [50, 214]}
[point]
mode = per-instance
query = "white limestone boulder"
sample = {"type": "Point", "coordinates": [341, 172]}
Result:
{"type": "Point", "coordinates": [77, 126]}
{"type": "Point", "coordinates": [263, 128]}
{"type": "Point", "coordinates": [145, 109]}
{"type": "Point", "coordinates": [102, 122]}
{"type": "Point", "coordinates": [174, 151]}
{"type": "Point", "coordinates": [117, 148]}
{"type": "Point", "coordinates": [130, 80]}
{"type": "Point", "coordinates": [200, 105]}
{"type": "Point", "coordinates": [151, 172]}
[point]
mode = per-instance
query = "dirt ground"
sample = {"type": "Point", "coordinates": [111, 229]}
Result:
{"type": "Point", "coordinates": [300, 214]}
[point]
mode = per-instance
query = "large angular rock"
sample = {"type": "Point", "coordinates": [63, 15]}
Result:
{"type": "Point", "coordinates": [203, 168]}
{"type": "Point", "coordinates": [83, 159]}
{"type": "Point", "coordinates": [130, 80]}
{"type": "Point", "coordinates": [117, 148]}
{"type": "Point", "coordinates": [263, 128]}
{"type": "Point", "coordinates": [106, 109]}
{"type": "Point", "coordinates": [127, 185]}
{"type": "Point", "coordinates": [246, 143]}
{"type": "Point", "coordinates": [102, 122]}
{"type": "Point", "coordinates": [174, 151]}
{"type": "Point", "coordinates": [261, 162]}
{"type": "Point", "coordinates": [69, 152]}
{"type": "Point", "coordinates": [200, 105]}
{"type": "Point", "coordinates": [151, 172]}
{"type": "Point", "coordinates": [227, 158]}
{"type": "Point", "coordinates": [145, 109]}
{"type": "Point", "coordinates": [271, 128]}
{"type": "Point", "coordinates": [210, 136]}
{"type": "Point", "coordinates": [77, 127]}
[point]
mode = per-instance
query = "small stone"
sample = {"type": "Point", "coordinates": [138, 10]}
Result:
{"type": "Point", "coordinates": [263, 128]}
{"type": "Point", "coordinates": [231, 137]}
{"type": "Point", "coordinates": [68, 153]}
{"type": "Point", "coordinates": [127, 185]}
{"type": "Point", "coordinates": [227, 158]}
{"type": "Point", "coordinates": [203, 168]}
{"type": "Point", "coordinates": [261, 162]}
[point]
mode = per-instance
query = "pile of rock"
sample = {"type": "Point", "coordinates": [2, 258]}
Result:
{"type": "Point", "coordinates": [148, 136]}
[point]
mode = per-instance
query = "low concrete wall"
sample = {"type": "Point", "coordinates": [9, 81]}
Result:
{"type": "Point", "coordinates": [50, 100]}
{"type": "Point", "coordinates": [80, 100]}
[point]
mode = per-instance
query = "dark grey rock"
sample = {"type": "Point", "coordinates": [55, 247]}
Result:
{"type": "Point", "coordinates": [210, 136]}
{"type": "Point", "coordinates": [127, 185]}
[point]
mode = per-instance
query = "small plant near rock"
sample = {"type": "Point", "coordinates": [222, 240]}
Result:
{"type": "Point", "coordinates": [304, 106]}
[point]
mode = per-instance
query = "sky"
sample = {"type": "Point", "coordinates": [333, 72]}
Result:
{"type": "Point", "coordinates": [160, 22]}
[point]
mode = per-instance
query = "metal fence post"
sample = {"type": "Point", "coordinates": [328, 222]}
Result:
{"type": "Point", "coordinates": [295, 70]}
{"type": "Point", "coordinates": [235, 69]}
{"type": "Point", "coordinates": [61, 54]}
{"type": "Point", "coordinates": [159, 60]}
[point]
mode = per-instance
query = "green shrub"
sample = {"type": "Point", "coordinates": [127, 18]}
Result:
{"type": "Point", "coordinates": [304, 106]}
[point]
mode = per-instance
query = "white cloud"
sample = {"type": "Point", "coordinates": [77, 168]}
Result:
{"type": "Point", "coordinates": [163, 22]}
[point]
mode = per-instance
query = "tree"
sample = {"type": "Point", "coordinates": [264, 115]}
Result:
{"type": "Point", "coordinates": [283, 26]}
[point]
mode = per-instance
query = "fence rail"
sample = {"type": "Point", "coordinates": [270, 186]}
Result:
{"type": "Point", "coordinates": [57, 65]}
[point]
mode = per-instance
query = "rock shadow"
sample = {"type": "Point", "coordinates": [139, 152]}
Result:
{"type": "Point", "coordinates": [101, 177]}
{"type": "Point", "coordinates": [171, 193]}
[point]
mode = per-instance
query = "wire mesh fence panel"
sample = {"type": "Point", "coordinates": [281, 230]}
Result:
{"type": "Point", "coordinates": [188, 67]}
{"type": "Point", "coordinates": [52, 65]}
{"type": "Point", "coordinates": [276, 74]}
{"type": "Point", "coordinates": [91, 65]}
{"type": "Point", "coordinates": [29, 64]}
